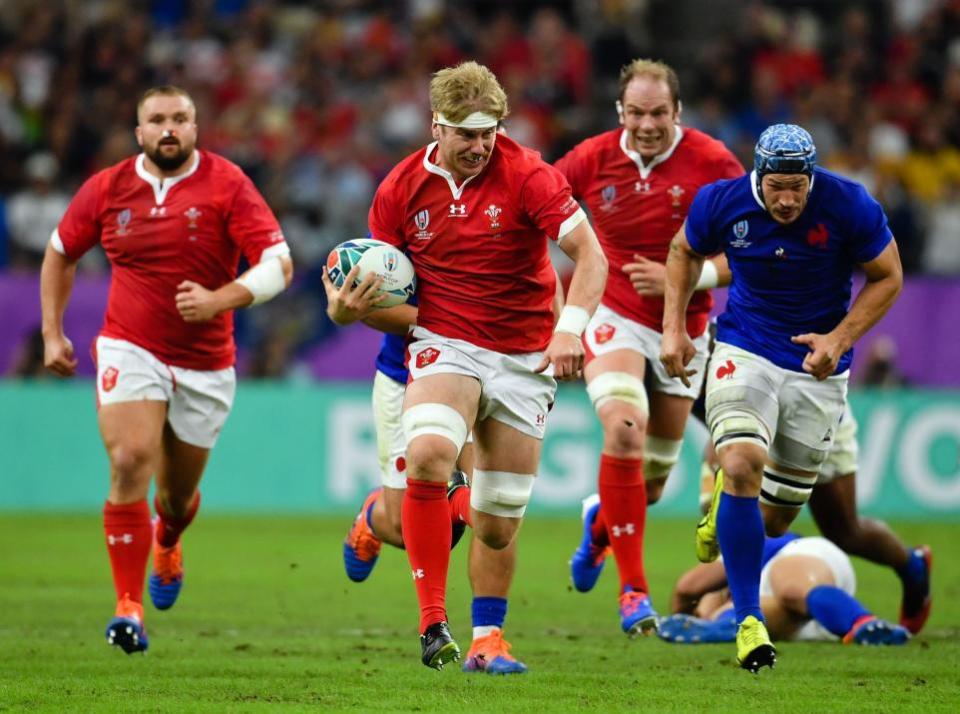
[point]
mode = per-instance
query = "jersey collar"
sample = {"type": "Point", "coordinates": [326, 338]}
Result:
{"type": "Point", "coordinates": [161, 187]}
{"type": "Point", "coordinates": [457, 191]}
{"type": "Point", "coordinates": [635, 157]}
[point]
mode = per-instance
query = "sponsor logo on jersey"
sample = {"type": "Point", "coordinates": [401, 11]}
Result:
{"type": "Point", "coordinates": [123, 221]}
{"type": "Point", "coordinates": [493, 213]}
{"type": "Point", "coordinates": [427, 357]}
{"type": "Point", "coordinates": [780, 253]}
{"type": "Point", "coordinates": [740, 231]}
{"type": "Point", "coordinates": [726, 370]}
{"type": "Point", "coordinates": [642, 187]}
{"type": "Point", "coordinates": [608, 195]}
{"type": "Point", "coordinates": [604, 333]}
{"type": "Point", "coordinates": [158, 212]}
{"type": "Point", "coordinates": [192, 215]}
{"type": "Point", "coordinates": [109, 379]}
{"type": "Point", "coordinates": [818, 237]}
{"type": "Point", "coordinates": [458, 210]}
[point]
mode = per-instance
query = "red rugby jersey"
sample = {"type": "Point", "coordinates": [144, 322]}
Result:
{"type": "Point", "coordinates": [480, 249]}
{"type": "Point", "coordinates": [639, 210]}
{"type": "Point", "coordinates": [157, 234]}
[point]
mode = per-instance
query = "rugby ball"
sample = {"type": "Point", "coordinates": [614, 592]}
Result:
{"type": "Point", "coordinates": [382, 259]}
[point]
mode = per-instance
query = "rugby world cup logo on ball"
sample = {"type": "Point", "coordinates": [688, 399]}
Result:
{"type": "Point", "coordinates": [382, 259]}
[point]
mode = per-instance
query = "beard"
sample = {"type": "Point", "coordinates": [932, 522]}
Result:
{"type": "Point", "coordinates": [168, 162]}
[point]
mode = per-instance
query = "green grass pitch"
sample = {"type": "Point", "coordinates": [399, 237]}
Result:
{"type": "Point", "coordinates": [267, 618]}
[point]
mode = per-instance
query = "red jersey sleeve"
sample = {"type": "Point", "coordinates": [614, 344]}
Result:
{"type": "Point", "coordinates": [251, 224]}
{"type": "Point", "coordinates": [385, 219]}
{"type": "Point", "coordinates": [547, 199]}
{"type": "Point", "coordinates": [574, 167]}
{"type": "Point", "coordinates": [80, 227]}
{"type": "Point", "coordinates": [728, 166]}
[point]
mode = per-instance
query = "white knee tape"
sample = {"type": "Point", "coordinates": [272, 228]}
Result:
{"type": "Point", "coordinates": [618, 385]}
{"type": "Point", "coordinates": [785, 490]}
{"type": "Point", "coordinates": [501, 493]}
{"type": "Point", "coordinates": [436, 419]}
{"type": "Point", "coordinates": [739, 427]}
{"type": "Point", "coordinates": [659, 456]}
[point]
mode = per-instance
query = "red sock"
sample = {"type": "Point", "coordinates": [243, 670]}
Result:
{"type": "Point", "coordinates": [460, 506]}
{"type": "Point", "coordinates": [623, 493]}
{"type": "Point", "coordinates": [426, 533]}
{"type": "Point", "coordinates": [598, 531]}
{"type": "Point", "coordinates": [169, 527]}
{"type": "Point", "coordinates": [128, 534]}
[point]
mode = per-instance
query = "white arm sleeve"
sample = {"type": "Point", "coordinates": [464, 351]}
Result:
{"type": "Point", "coordinates": [265, 280]}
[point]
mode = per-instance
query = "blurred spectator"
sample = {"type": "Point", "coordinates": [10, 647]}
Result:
{"type": "Point", "coordinates": [34, 212]}
{"type": "Point", "coordinates": [880, 368]}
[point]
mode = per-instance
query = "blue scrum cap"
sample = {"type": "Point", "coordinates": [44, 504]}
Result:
{"type": "Point", "coordinates": [784, 149]}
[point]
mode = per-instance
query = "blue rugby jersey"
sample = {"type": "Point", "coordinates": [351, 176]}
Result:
{"type": "Point", "coordinates": [787, 280]}
{"type": "Point", "coordinates": [391, 358]}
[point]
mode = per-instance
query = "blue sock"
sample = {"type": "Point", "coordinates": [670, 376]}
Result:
{"type": "Point", "coordinates": [727, 616]}
{"type": "Point", "coordinates": [489, 611]}
{"type": "Point", "coordinates": [834, 609]}
{"type": "Point", "coordinates": [740, 533]}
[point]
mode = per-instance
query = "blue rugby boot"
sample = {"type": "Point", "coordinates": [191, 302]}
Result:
{"type": "Point", "coordinates": [362, 547]}
{"type": "Point", "coordinates": [637, 616]}
{"type": "Point", "coordinates": [126, 629]}
{"type": "Point", "coordinates": [588, 559]}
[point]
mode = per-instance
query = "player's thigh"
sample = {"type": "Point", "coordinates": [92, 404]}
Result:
{"type": "Point", "coordinates": [200, 404]}
{"type": "Point", "coordinates": [793, 576]}
{"type": "Point", "coordinates": [808, 420]}
{"type": "Point", "coordinates": [132, 433]}
{"type": "Point", "coordinates": [668, 415]}
{"type": "Point", "coordinates": [741, 398]}
{"type": "Point", "coordinates": [501, 447]}
{"type": "Point", "coordinates": [181, 468]}
{"type": "Point", "coordinates": [387, 398]}
{"type": "Point", "coordinates": [437, 410]}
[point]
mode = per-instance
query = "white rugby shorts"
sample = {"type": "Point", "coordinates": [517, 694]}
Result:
{"type": "Point", "coordinates": [510, 391]}
{"type": "Point", "coordinates": [835, 559]}
{"type": "Point", "coordinates": [391, 443]}
{"type": "Point", "coordinates": [799, 412]}
{"type": "Point", "coordinates": [198, 402]}
{"type": "Point", "coordinates": [844, 455]}
{"type": "Point", "coordinates": [609, 331]}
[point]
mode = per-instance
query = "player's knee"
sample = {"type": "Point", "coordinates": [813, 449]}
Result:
{"type": "Point", "coordinates": [793, 594]}
{"type": "Point", "coordinates": [741, 440]}
{"type": "Point", "coordinates": [129, 459]}
{"type": "Point", "coordinates": [655, 489]}
{"type": "Point", "coordinates": [659, 457]}
{"type": "Point", "coordinates": [621, 402]}
{"type": "Point", "coordinates": [500, 493]}
{"type": "Point", "coordinates": [742, 471]}
{"type": "Point", "coordinates": [623, 435]}
{"type": "Point", "coordinates": [494, 531]}
{"type": "Point", "coordinates": [435, 433]}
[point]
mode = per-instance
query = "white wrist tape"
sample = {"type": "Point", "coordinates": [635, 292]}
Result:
{"type": "Point", "coordinates": [264, 280]}
{"type": "Point", "coordinates": [573, 319]}
{"type": "Point", "coordinates": [708, 276]}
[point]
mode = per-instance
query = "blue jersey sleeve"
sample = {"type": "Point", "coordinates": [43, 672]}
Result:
{"type": "Point", "coordinates": [700, 235]}
{"type": "Point", "coordinates": [870, 230]}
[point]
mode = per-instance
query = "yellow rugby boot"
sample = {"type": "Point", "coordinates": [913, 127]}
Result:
{"type": "Point", "coordinates": [708, 549]}
{"type": "Point", "coordinates": [754, 649]}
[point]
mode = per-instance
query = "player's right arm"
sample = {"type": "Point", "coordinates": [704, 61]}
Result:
{"type": "Point", "coordinates": [77, 232]}
{"type": "Point", "coordinates": [56, 284]}
{"type": "Point", "coordinates": [683, 266]}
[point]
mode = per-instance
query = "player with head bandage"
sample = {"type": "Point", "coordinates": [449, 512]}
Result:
{"type": "Point", "coordinates": [474, 211]}
{"type": "Point", "coordinates": [173, 222]}
{"type": "Point", "coordinates": [792, 234]}
{"type": "Point", "coordinates": [638, 181]}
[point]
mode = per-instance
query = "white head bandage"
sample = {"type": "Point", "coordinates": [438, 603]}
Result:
{"type": "Point", "coordinates": [477, 120]}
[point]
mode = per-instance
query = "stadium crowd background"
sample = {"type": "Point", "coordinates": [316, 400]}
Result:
{"type": "Point", "coordinates": [317, 101]}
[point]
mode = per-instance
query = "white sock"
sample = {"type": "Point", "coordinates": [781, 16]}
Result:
{"type": "Point", "coordinates": [483, 631]}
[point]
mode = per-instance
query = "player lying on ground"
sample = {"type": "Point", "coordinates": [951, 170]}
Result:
{"type": "Point", "coordinates": [807, 588]}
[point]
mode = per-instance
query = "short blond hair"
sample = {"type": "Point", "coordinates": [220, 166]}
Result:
{"type": "Point", "coordinates": [457, 92]}
{"type": "Point", "coordinates": [655, 70]}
